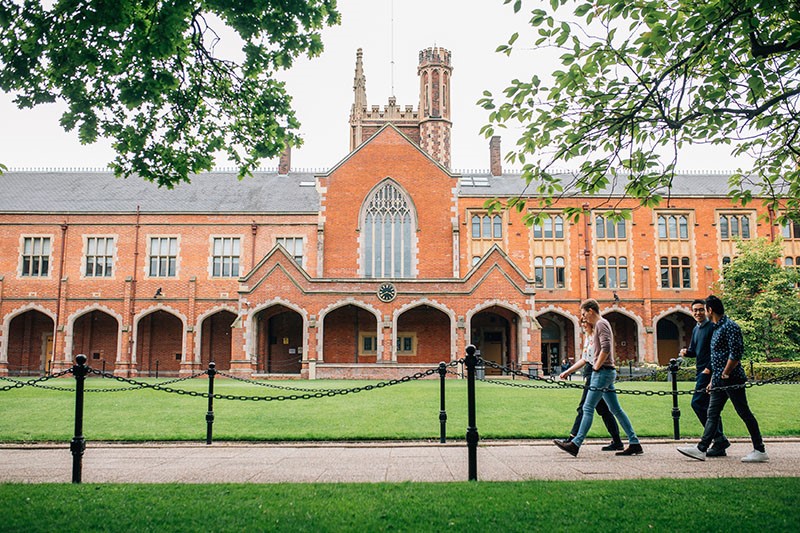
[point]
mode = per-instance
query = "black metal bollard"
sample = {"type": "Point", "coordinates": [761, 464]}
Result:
{"type": "Point", "coordinates": [156, 368]}
{"type": "Point", "coordinates": [676, 412]}
{"type": "Point", "coordinates": [442, 412]}
{"type": "Point", "coordinates": [472, 431]}
{"type": "Point", "coordinates": [212, 370]}
{"type": "Point", "coordinates": [78, 444]}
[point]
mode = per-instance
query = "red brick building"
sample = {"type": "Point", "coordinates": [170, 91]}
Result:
{"type": "Point", "coordinates": [385, 264]}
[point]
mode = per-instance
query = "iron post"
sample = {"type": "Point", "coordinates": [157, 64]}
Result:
{"type": "Point", "coordinates": [472, 431]}
{"type": "Point", "coordinates": [442, 412]}
{"type": "Point", "coordinates": [676, 412]}
{"type": "Point", "coordinates": [78, 444]}
{"type": "Point", "coordinates": [212, 370]}
{"type": "Point", "coordinates": [156, 368]}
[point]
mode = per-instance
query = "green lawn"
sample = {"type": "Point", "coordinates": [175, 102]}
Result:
{"type": "Point", "coordinates": [741, 505]}
{"type": "Point", "coordinates": [404, 411]}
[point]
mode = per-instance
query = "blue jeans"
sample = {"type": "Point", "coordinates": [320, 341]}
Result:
{"type": "Point", "coordinates": [602, 410]}
{"type": "Point", "coordinates": [604, 379]}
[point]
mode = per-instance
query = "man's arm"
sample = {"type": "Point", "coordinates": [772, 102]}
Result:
{"type": "Point", "coordinates": [604, 344]}
{"type": "Point", "coordinates": [580, 363]}
{"type": "Point", "coordinates": [600, 360]}
{"type": "Point", "coordinates": [691, 351]}
{"type": "Point", "coordinates": [735, 352]}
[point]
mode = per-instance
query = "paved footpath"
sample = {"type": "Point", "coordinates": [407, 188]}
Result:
{"type": "Point", "coordinates": [377, 462]}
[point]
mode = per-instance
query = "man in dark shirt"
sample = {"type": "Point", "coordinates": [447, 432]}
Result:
{"type": "Point", "coordinates": [700, 349]}
{"type": "Point", "coordinates": [727, 348]}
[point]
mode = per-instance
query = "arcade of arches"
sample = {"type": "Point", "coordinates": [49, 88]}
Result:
{"type": "Point", "coordinates": [350, 335]}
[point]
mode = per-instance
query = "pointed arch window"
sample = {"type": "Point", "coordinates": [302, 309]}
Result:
{"type": "Point", "coordinates": [388, 233]}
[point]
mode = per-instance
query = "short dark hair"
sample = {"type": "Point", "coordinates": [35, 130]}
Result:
{"type": "Point", "coordinates": [698, 301]}
{"type": "Point", "coordinates": [715, 304]}
{"type": "Point", "coordinates": [592, 304]}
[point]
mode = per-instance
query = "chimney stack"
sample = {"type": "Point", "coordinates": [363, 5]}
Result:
{"type": "Point", "coordinates": [285, 163]}
{"type": "Point", "coordinates": [495, 161]}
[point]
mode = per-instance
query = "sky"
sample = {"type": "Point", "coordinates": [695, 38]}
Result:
{"type": "Point", "coordinates": [391, 34]}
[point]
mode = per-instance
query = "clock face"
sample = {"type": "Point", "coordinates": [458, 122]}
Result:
{"type": "Point", "coordinates": [386, 292]}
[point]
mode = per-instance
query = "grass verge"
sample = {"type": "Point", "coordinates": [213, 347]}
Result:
{"type": "Point", "coordinates": [752, 504]}
{"type": "Point", "coordinates": [408, 411]}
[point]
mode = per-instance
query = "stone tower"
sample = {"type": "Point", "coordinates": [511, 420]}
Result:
{"type": "Point", "coordinates": [434, 72]}
{"type": "Point", "coordinates": [428, 126]}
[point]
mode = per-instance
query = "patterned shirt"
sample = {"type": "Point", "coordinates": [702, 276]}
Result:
{"type": "Point", "coordinates": [726, 343]}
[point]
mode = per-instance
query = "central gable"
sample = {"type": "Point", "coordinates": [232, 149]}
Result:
{"type": "Point", "coordinates": [388, 157]}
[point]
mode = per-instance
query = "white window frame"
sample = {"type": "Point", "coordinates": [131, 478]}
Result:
{"type": "Point", "coordinates": [283, 241]}
{"type": "Point", "coordinates": [49, 256]}
{"type": "Point", "coordinates": [87, 253]}
{"type": "Point", "coordinates": [388, 233]}
{"type": "Point", "coordinates": [177, 256]}
{"type": "Point", "coordinates": [225, 257]}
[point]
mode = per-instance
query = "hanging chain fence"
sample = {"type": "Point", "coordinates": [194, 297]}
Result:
{"type": "Point", "coordinates": [788, 379]}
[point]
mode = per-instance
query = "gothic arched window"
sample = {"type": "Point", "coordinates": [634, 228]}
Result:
{"type": "Point", "coordinates": [387, 233]}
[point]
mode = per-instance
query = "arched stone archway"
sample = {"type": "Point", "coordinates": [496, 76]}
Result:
{"type": "Point", "coordinates": [159, 343]}
{"type": "Point", "coordinates": [30, 343]}
{"type": "Point", "coordinates": [215, 340]}
{"type": "Point", "coordinates": [423, 335]}
{"type": "Point", "coordinates": [278, 340]}
{"type": "Point", "coordinates": [350, 335]}
{"type": "Point", "coordinates": [673, 332]}
{"type": "Point", "coordinates": [558, 341]}
{"type": "Point", "coordinates": [494, 331]}
{"type": "Point", "coordinates": [626, 337]}
{"type": "Point", "coordinates": [95, 334]}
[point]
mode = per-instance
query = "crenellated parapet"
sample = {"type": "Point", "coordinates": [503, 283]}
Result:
{"type": "Point", "coordinates": [428, 125]}
{"type": "Point", "coordinates": [434, 56]}
{"type": "Point", "coordinates": [391, 111]}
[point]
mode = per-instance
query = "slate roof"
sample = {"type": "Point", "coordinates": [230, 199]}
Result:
{"type": "Point", "coordinates": [703, 184]}
{"type": "Point", "coordinates": [264, 192]}
{"type": "Point", "coordinates": [101, 192]}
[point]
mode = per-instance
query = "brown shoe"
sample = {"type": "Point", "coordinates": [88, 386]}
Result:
{"type": "Point", "coordinates": [569, 447]}
{"type": "Point", "coordinates": [632, 449]}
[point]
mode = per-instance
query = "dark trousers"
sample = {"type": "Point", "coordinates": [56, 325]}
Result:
{"type": "Point", "coordinates": [700, 401]}
{"type": "Point", "coordinates": [717, 402]}
{"type": "Point", "coordinates": [602, 410]}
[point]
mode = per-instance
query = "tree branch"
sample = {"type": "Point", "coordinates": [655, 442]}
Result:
{"type": "Point", "coordinates": [759, 49]}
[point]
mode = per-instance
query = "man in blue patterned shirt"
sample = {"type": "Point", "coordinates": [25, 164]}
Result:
{"type": "Point", "coordinates": [727, 348]}
{"type": "Point", "coordinates": [700, 349]}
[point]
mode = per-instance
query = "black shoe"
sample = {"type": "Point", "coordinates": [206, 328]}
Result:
{"type": "Point", "coordinates": [614, 446]}
{"type": "Point", "coordinates": [569, 447]}
{"type": "Point", "coordinates": [718, 449]}
{"type": "Point", "coordinates": [632, 449]}
{"type": "Point", "coordinates": [568, 439]}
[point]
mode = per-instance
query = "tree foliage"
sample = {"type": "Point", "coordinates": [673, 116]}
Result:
{"type": "Point", "coordinates": [640, 80]}
{"type": "Point", "coordinates": [762, 297]}
{"type": "Point", "coordinates": [149, 75]}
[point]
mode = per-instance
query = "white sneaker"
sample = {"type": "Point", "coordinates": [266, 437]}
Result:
{"type": "Point", "coordinates": [756, 457]}
{"type": "Point", "coordinates": [694, 453]}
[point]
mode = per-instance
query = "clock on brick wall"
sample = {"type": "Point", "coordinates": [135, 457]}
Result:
{"type": "Point", "coordinates": [386, 292]}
